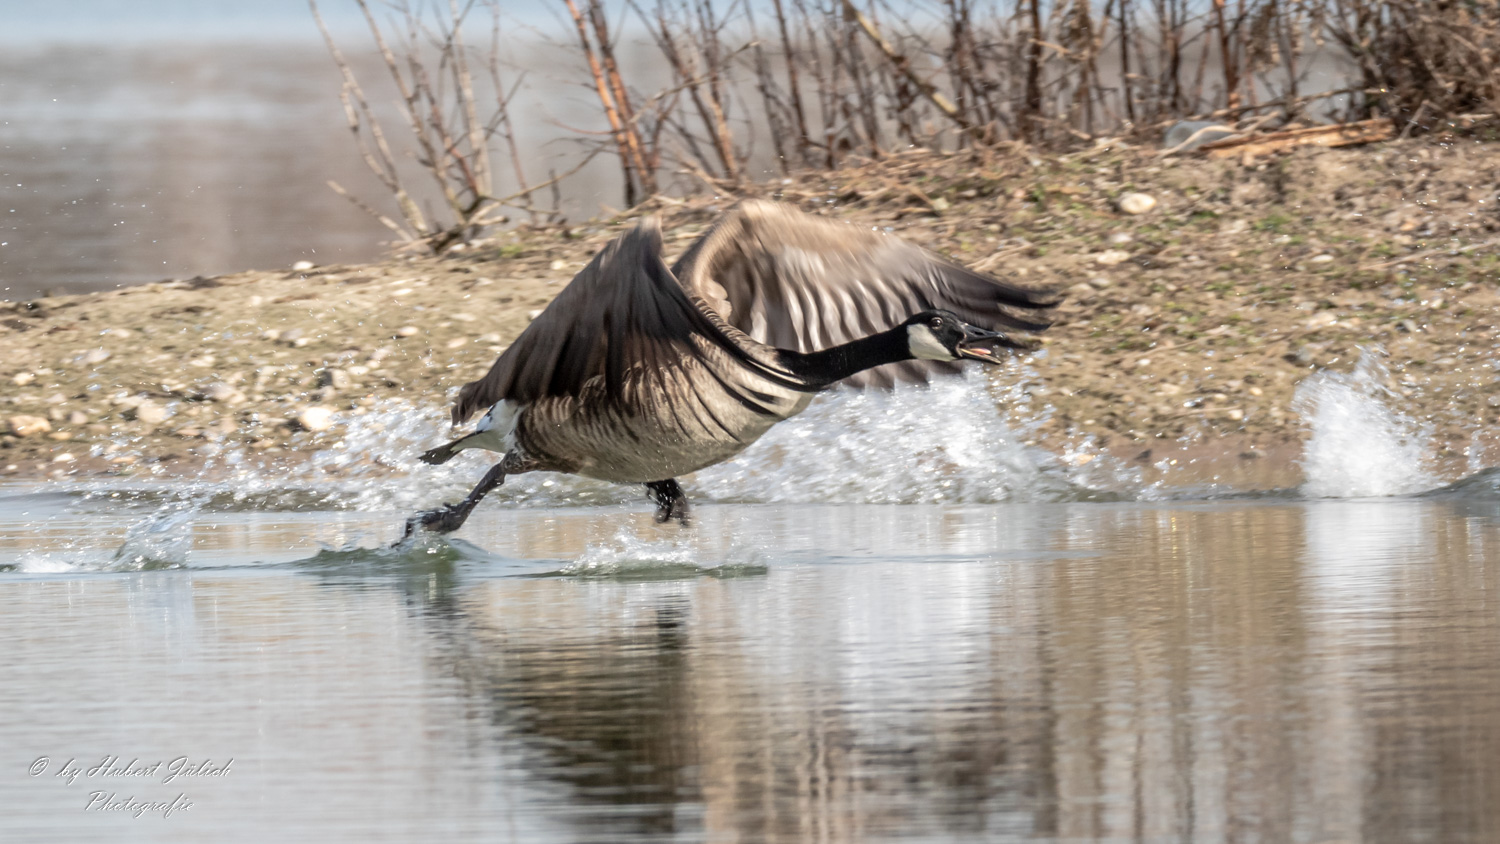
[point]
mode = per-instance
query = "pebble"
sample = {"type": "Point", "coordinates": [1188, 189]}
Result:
{"type": "Point", "coordinates": [490, 338]}
{"type": "Point", "coordinates": [1121, 237]}
{"type": "Point", "coordinates": [465, 317]}
{"type": "Point", "coordinates": [558, 265]}
{"type": "Point", "coordinates": [407, 331]}
{"type": "Point", "coordinates": [303, 265]}
{"type": "Point", "coordinates": [1137, 203]}
{"type": "Point", "coordinates": [25, 426]}
{"type": "Point", "coordinates": [225, 394]}
{"type": "Point", "coordinates": [315, 418]}
{"type": "Point", "coordinates": [1107, 258]}
{"type": "Point", "coordinates": [457, 342]}
{"type": "Point", "coordinates": [150, 413]}
{"type": "Point", "coordinates": [1083, 291]}
{"type": "Point", "coordinates": [271, 334]}
{"type": "Point", "coordinates": [78, 417]}
{"type": "Point", "coordinates": [96, 356]}
{"type": "Point", "coordinates": [21, 379]}
{"type": "Point", "coordinates": [65, 457]}
{"type": "Point", "coordinates": [1322, 319]}
{"type": "Point", "coordinates": [1320, 259]}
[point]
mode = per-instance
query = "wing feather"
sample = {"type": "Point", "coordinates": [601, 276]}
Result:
{"type": "Point", "coordinates": [624, 312]}
{"type": "Point", "coordinates": [800, 282]}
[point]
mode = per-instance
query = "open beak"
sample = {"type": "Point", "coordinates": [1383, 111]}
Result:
{"type": "Point", "coordinates": [983, 344]}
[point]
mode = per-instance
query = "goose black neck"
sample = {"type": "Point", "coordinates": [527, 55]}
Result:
{"type": "Point", "coordinates": [828, 366]}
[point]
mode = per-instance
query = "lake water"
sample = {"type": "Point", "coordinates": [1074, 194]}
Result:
{"type": "Point", "coordinates": [879, 630]}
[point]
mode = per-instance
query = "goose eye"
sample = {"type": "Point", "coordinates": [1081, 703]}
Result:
{"type": "Point", "coordinates": [936, 322]}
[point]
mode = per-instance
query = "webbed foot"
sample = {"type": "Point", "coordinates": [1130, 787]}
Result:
{"type": "Point", "coordinates": [671, 501]}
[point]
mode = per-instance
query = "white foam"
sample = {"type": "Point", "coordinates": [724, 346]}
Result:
{"type": "Point", "coordinates": [943, 443]}
{"type": "Point", "coordinates": [1359, 444]}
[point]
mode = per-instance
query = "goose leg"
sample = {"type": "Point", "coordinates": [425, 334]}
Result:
{"type": "Point", "coordinates": [450, 517]}
{"type": "Point", "coordinates": [671, 503]}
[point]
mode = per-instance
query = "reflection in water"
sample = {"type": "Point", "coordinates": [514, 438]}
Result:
{"type": "Point", "coordinates": [1321, 671]}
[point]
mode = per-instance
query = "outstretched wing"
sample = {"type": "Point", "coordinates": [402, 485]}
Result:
{"type": "Point", "coordinates": [623, 311]}
{"type": "Point", "coordinates": [795, 281]}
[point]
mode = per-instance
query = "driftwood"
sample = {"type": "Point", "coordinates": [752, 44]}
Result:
{"type": "Point", "coordinates": [1338, 135]}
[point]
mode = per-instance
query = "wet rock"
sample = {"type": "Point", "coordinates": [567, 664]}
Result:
{"type": "Point", "coordinates": [21, 379]}
{"type": "Point", "coordinates": [315, 418]}
{"type": "Point", "coordinates": [408, 331]}
{"type": "Point", "coordinates": [458, 342]}
{"type": "Point", "coordinates": [96, 356]}
{"type": "Point", "coordinates": [78, 417]}
{"type": "Point", "coordinates": [1112, 257]}
{"type": "Point", "coordinates": [26, 426]}
{"type": "Point", "coordinates": [65, 457]}
{"type": "Point", "coordinates": [1137, 203]}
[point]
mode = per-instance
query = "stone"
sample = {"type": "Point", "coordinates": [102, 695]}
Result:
{"type": "Point", "coordinates": [458, 342]}
{"type": "Point", "coordinates": [25, 426]}
{"type": "Point", "coordinates": [150, 413]}
{"type": "Point", "coordinates": [21, 379]}
{"type": "Point", "coordinates": [78, 417]}
{"type": "Point", "coordinates": [65, 457]}
{"type": "Point", "coordinates": [224, 394]}
{"type": "Point", "coordinates": [1320, 259]}
{"type": "Point", "coordinates": [558, 265]}
{"type": "Point", "coordinates": [96, 356]}
{"type": "Point", "coordinates": [1137, 203]}
{"type": "Point", "coordinates": [408, 331]}
{"type": "Point", "coordinates": [315, 418]}
{"type": "Point", "coordinates": [1111, 257]}
{"type": "Point", "coordinates": [1121, 237]}
{"type": "Point", "coordinates": [302, 266]}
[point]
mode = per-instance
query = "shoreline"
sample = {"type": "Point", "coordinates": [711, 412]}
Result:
{"type": "Point", "coordinates": [1185, 334]}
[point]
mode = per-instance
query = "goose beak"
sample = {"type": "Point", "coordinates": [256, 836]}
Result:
{"type": "Point", "coordinates": [982, 344]}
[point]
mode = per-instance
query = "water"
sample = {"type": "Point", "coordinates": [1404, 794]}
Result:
{"type": "Point", "coordinates": [996, 644]}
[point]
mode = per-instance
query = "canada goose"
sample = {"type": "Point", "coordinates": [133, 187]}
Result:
{"type": "Point", "coordinates": [638, 374]}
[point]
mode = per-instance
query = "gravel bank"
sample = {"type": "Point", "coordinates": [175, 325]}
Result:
{"type": "Point", "coordinates": [1199, 295]}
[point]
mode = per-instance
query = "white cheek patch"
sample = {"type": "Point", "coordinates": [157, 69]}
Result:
{"type": "Point", "coordinates": [924, 344]}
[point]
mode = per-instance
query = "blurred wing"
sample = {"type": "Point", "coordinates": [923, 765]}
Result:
{"type": "Point", "coordinates": [795, 281]}
{"type": "Point", "coordinates": [623, 311]}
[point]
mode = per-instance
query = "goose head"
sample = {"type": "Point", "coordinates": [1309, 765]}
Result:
{"type": "Point", "coordinates": [941, 335]}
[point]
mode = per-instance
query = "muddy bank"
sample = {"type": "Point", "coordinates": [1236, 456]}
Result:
{"type": "Point", "coordinates": [1187, 329]}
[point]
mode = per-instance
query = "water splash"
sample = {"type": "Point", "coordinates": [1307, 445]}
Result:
{"type": "Point", "coordinates": [160, 541]}
{"type": "Point", "coordinates": [629, 557]}
{"type": "Point", "coordinates": [1360, 444]}
{"type": "Point", "coordinates": [943, 443]}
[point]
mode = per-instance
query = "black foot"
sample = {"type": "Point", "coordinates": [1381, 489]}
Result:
{"type": "Point", "coordinates": [671, 502]}
{"type": "Point", "coordinates": [445, 519]}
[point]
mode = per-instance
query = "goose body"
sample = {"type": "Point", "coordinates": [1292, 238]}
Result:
{"type": "Point", "coordinates": [637, 373]}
